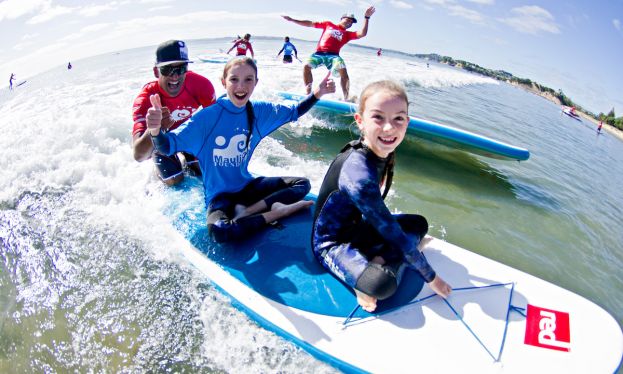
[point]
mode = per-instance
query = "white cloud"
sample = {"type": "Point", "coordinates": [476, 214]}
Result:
{"type": "Point", "coordinates": [95, 10]}
{"type": "Point", "coordinates": [468, 14]}
{"type": "Point", "coordinates": [85, 31]}
{"type": "Point", "coordinates": [49, 13]}
{"type": "Point", "coordinates": [532, 19]}
{"type": "Point", "coordinates": [12, 9]}
{"type": "Point", "coordinates": [160, 8]}
{"type": "Point", "coordinates": [483, 2]}
{"type": "Point", "coordinates": [617, 24]}
{"type": "Point", "coordinates": [459, 11]}
{"type": "Point", "coordinates": [400, 4]}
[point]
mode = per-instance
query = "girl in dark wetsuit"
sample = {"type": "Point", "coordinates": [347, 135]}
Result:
{"type": "Point", "coordinates": [354, 234]}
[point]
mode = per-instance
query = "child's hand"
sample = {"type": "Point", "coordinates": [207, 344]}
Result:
{"type": "Point", "coordinates": [154, 115]}
{"type": "Point", "coordinates": [327, 85]}
{"type": "Point", "coordinates": [440, 287]}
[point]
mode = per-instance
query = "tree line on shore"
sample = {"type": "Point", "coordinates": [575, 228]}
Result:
{"type": "Point", "coordinates": [505, 76]}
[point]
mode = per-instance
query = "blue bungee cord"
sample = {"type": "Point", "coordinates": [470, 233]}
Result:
{"type": "Point", "coordinates": [350, 320]}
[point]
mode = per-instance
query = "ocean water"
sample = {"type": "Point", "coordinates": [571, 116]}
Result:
{"type": "Point", "coordinates": [92, 277]}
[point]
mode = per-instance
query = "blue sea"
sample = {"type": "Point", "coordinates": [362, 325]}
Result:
{"type": "Point", "coordinates": [92, 276]}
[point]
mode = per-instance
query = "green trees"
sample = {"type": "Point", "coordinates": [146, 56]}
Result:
{"type": "Point", "coordinates": [611, 119]}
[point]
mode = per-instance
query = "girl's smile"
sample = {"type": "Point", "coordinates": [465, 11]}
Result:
{"type": "Point", "coordinates": [383, 123]}
{"type": "Point", "coordinates": [239, 84]}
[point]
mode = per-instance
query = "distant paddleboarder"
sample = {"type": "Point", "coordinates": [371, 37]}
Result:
{"type": "Point", "coordinates": [333, 38]}
{"type": "Point", "coordinates": [11, 81]}
{"type": "Point", "coordinates": [288, 49]}
{"type": "Point", "coordinates": [379, 52]}
{"type": "Point", "coordinates": [242, 46]}
{"type": "Point", "coordinates": [69, 66]}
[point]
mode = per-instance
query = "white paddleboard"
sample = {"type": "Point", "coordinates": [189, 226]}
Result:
{"type": "Point", "coordinates": [274, 278]}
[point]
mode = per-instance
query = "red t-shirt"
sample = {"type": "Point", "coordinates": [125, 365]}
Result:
{"type": "Point", "coordinates": [333, 37]}
{"type": "Point", "coordinates": [197, 92]}
{"type": "Point", "coordinates": [242, 46]}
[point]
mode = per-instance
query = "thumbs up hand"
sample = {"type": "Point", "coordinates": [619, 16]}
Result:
{"type": "Point", "coordinates": [154, 115]}
{"type": "Point", "coordinates": [327, 85]}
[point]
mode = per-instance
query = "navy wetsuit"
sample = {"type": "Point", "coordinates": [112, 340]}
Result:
{"type": "Point", "coordinates": [223, 137]}
{"type": "Point", "coordinates": [352, 225]}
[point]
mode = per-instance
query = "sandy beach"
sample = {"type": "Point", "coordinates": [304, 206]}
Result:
{"type": "Point", "coordinates": [608, 128]}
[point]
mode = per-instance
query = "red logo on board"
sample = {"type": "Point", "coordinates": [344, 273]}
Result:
{"type": "Point", "coordinates": [547, 328]}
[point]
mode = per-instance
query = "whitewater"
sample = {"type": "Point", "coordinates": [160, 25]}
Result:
{"type": "Point", "coordinates": [92, 273]}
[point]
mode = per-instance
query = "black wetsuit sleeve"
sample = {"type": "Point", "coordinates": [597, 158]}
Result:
{"type": "Point", "coordinates": [360, 182]}
{"type": "Point", "coordinates": [161, 143]}
{"type": "Point", "coordinates": [306, 104]}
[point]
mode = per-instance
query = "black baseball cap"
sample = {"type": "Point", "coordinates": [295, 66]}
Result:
{"type": "Point", "coordinates": [349, 15]}
{"type": "Point", "coordinates": [171, 52]}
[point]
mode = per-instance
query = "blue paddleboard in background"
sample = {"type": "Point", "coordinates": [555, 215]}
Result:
{"type": "Point", "coordinates": [435, 132]}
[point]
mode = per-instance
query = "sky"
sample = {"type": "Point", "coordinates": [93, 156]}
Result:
{"type": "Point", "coordinates": [575, 46]}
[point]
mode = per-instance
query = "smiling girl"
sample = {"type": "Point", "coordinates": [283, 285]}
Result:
{"type": "Point", "coordinates": [354, 234]}
{"type": "Point", "coordinates": [223, 137]}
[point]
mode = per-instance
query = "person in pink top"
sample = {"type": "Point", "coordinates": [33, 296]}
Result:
{"type": "Point", "coordinates": [333, 38]}
{"type": "Point", "coordinates": [242, 46]}
{"type": "Point", "coordinates": [182, 93]}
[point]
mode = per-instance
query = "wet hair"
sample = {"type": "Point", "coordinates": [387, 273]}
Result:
{"type": "Point", "coordinates": [242, 60]}
{"type": "Point", "coordinates": [246, 36]}
{"type": "Point", "coordinates": [392, 87]}
{"type": "Point", "coordinates": [249, 107]}
{"type": "Point", "coordinates": [287, 38]}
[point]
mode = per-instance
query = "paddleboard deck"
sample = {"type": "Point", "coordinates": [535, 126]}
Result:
{"type": "Point", "coordinates": [438, 133]}
{"type": "Point", "coordinates": [274, 278]}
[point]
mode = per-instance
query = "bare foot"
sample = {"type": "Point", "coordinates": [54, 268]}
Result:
{"type": "Point", "coordinates": [288, 209]}
{"type": "Point", "coordinates": [240, 211]}
{"type": "Point", "coordinates": [424, 243]}
{"type": "Point", "coordinates": [368, 303]}
{"type": "Point", "coordinates": [280, 210]}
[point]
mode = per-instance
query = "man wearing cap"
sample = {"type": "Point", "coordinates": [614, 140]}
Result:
{"type": "Point", "coordinates": [182, 93]}
{"type": "Point", "coordinates": [333, 38]}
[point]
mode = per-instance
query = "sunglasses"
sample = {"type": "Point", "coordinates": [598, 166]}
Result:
{"type": "Point", "coordinates": [169, 70]}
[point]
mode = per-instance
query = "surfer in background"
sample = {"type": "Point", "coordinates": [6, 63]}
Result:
{"type": "Point", "coordinates": [69, 66]}
{"type": "Point", "coordinates": [354, 235]}
{"type": "Point", "coordinates": [379, 52]}
{"type": "Point", "coordinates": [242, 46]}
{"type": "Point", "coordinates": [599, 126]}
{"type": "Point", "coordinates": [181, 93]}
{"type": "Point", "coordinates": [224, 137]}
{"type": "Point", "coordinates": [11, 79]}
{"type": "Point", "coordinates": [333, 38]}
{"type": "Point", "coordinates": [287, 49]}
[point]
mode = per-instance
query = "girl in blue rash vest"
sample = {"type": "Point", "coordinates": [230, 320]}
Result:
{"type": "Point", "coordinates": [354, 234]}
{"type": "Point", "coordinates": [223, 138]}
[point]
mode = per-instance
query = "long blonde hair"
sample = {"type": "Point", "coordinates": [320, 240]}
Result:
{"type": "Point", "coordinates": [392, 87]}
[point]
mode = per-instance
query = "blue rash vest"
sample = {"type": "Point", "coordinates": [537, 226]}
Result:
{"type": "Point", "coordinates": [351, 195]}
{"type": "Point", "coordinates": [217, 136]}
{"type": "Point", "coordinates": [287, 49]}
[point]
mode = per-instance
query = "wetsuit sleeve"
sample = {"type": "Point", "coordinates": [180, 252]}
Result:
{"type": "Point", "coordinates": [306, 104]}
{"type": "Point", "coordinates": [358, 181]}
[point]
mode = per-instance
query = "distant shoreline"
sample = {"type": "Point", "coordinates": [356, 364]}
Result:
{"type": "Point", "coordinates": [533, 89]}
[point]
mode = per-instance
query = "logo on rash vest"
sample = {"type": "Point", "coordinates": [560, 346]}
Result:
{"type": "Point", "coordinates": [547, 328]}
{"type": "Point", "coordinates": [233, 154]}
{"type": "Point", "coordinates": [181, 113]}
{"type": "Point", "coordinates": [337, 34]}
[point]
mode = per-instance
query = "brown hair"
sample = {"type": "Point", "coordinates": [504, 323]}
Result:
{"type": "Point", "coordinates": [392, 87]}
{"type": "Point", "coordinates": [239, 61]}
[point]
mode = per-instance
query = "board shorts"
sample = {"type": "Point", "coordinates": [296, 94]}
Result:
{"type": "Point", "coordinates": [287, 58]}
{"type": "Point", "coordinates": [169, 167]}
{"type": "Point", "coordinates": [331, 61]}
